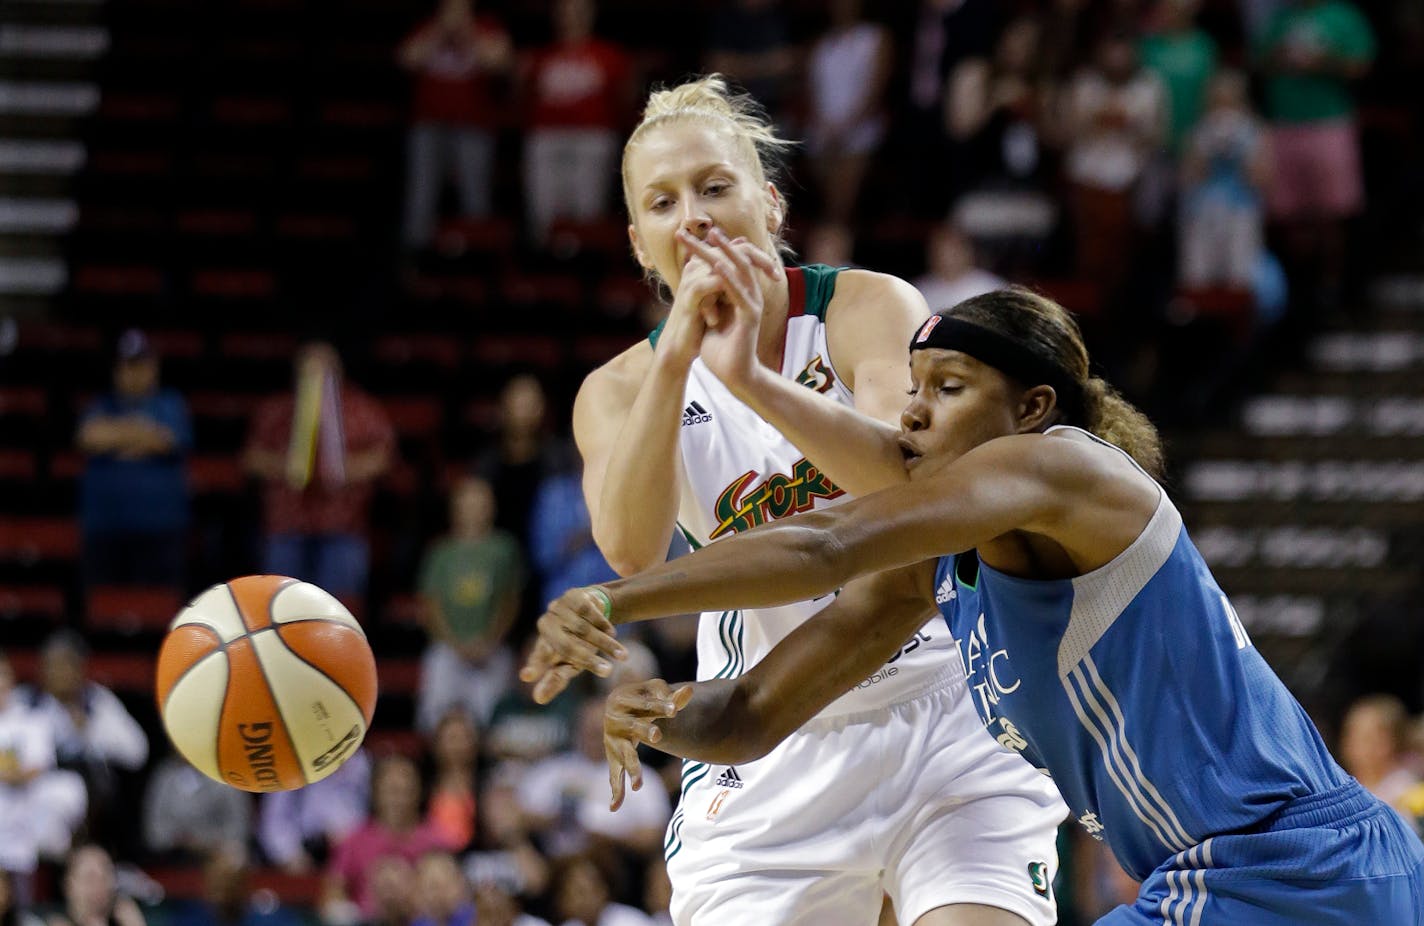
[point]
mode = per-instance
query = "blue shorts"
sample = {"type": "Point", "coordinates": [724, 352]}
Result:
{"type": "Point", "coordinates": [1340, 858]}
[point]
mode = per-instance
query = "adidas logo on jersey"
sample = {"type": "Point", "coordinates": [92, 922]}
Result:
{"type": "Point", "coordinates": [945, 593]}
{"type": "Point", "coordinates": [695, 414]}
{"type": "Point", "coordinates": [729, 778]}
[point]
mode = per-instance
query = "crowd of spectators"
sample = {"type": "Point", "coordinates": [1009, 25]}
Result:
{"type": "Point", "coordinates": [1029, 141]}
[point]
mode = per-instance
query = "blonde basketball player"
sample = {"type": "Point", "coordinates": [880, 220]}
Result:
{"type": "Point", "coordinates": [717, 423]}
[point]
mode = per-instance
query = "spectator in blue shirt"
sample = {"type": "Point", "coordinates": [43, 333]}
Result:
{"type": "Point", "coordinates": [133, 500]}
{"type": "Point", "coordinates": [561, 537]}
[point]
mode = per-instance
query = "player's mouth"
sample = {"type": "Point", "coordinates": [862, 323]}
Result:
{"type": "Point", "coordinates": [910, 452]}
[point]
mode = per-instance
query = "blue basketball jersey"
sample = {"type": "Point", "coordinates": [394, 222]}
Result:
{"type": "Point", "coordinates": [1137, 688]}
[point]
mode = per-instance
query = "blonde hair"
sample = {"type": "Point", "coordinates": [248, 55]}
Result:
{"type": "Point", "coordinates": [710, 99]}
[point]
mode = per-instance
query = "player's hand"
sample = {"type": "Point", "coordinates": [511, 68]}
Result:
{"type": "Point", "coordinates": [730, 344]}
{"type": "Point", "coordinates": [695, 306]}
{"type": "Point", "coordinates": [630, 717]}
{"type": "Point", "coordinates": [574, 636]}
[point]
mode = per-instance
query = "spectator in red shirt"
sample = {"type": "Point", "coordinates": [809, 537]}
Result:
{"type": "Point", "coordinates": [579, 91]}
{"type": "Point", "coordinates": [455, 57]}
{"type": "Point", "coordinates": [318, 451]}
{"type": "Point", "coordinates": [394, 829]}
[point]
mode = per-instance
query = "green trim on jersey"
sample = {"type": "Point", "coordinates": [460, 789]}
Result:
{"type": "Point", "coordinates": [820, 289]}
{"type": "Point", "coordinates": [691, 540]}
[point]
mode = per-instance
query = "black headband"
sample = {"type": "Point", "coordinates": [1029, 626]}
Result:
{"type": "Point", "coordinates": [1003, 354]}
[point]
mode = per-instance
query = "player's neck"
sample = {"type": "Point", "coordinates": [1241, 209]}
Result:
{"type": "Point", "coordinates": [771, 337]}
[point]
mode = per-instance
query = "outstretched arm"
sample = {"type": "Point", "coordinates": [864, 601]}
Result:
{"type": "Point", "coordinates": [738, 720]}
{"type": "Point", "coordinates": [1021, 483]}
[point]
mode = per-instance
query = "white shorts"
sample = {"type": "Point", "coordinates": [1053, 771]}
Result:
{"type": "Point", "coordinates": [915, 800]}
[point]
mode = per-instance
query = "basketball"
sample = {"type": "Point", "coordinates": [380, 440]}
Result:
{"type": "Point", "coordinates": [266, 683]}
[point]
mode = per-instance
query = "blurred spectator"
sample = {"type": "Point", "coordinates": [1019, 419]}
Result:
{"type": "Point", "coordinates": [90, 894]}
{"type": "Point", "coordinates": [93, 733]}
{"type": "Point", "coordinates": [953, 275]}
{"type": "Point", "coordinates": [582, 897]}
{"type": "Point", "coordinates": [12, 911]}
{"type": "Point", "coordinates": [1116, 119]}
{"type": "Point", "coordinates": [581, 92]}
{"type": "Point", "coordinates": [561, 537]}
{"type": "Point", "coordinates": [188, 815]}
{"type": "Point", "coordinates": [831, 244]}
{"type": "Point", "coordinates": [394, 829]}
{"type": "Point", "coordinates": [454, 57]}
{"type": "Point", "coordinates": [1310, 52]}
{"type": "Point", "coordinates": [523, 454]}
{"type": "Point", "coordinates": [228, 899]}
{"type": "Point", "coordinates": [39, 806]}
{"type": "Point", "coordinates": [996, 113]}
{"type": "Point", "coordinates": [944, 33]}
{"type": "Point", "coordinates": [657, 891]}
{"type": "Point", "coordinates": [470, 586]}
{"type": "Point", "coordinates": [1183, 57]}
{"type": "Point", "coordinates": [521, 730]}
{"type": "Point", "coordinates": [318, 451]}
{"type": "Point", "coordinates": [393, 892]}
{"type": "Point", "coordinates": [1226, 171]}
{"type": "Point", "coordinates": [443, 895]}
{"type": "Point", "coordinates": [565, 798]}
{"type": "Point", "coordinates": [1373, 739]}
{"type": "Point", "coordinates": [496, 908]}
{"type": "Point", "coordinates": [750, 42]}
{"type": "Point", "coordinates": [455, 751]}
{"type": "Point", "coordinates": [848, 70]}
{"type": "Point", "coordinates": [298, 829]}
{"type": "Point", "coordinates": [503, 857]}
{"type": "Point", "coordinates": [133, 497]}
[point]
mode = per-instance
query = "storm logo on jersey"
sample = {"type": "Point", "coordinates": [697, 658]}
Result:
{"type": "Point", "coordinates": [742, 506]}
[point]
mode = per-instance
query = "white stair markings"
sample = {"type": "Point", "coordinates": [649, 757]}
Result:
{"type": "Point", "coordinates": [36, 276]}
{"type": "Point", "coordinates": [50, 157]}
{"type": "Point", "coordinates": [48, 98]}
{"type": "Point", "coordinates": [64, 42]}
{"type": "Point", "coordinates": [49, 216]}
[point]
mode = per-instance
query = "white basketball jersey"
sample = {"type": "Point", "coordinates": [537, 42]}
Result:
{"type": "Point", "coordinates": [739, 471]}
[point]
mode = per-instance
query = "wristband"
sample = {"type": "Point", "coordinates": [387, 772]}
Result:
{"type": "Point", "coordinates": [607, 601]}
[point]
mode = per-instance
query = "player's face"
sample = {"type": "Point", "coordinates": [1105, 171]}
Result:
{"type": "Point", "coordinates": [688, 175]}
{"type": "Point", "coordinates": [956, 404]}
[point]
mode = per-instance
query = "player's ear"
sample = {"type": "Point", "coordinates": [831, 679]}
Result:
{"type": "Point", "coordinates": [643, 260]}
{"type": "Point", "coordinates": [776, 210]}
{"type": "Point", "coordinates": [1036, 406]}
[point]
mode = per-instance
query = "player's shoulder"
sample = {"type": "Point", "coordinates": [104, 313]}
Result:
{"type": "Point", "coordinates": [869, 299]}
{"type": "Point", "coordinates": [613, 385]}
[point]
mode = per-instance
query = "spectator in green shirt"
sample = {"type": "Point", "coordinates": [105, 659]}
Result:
{"type": "Point", "coordinates": [470, 585]}
{"type": "Point", "coordinates": [1184, 57]}
{"type": "Point", "coordinates": [1310, 52]}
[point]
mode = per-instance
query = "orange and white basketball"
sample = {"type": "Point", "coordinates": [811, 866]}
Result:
{"type": "Point", "coordinates": [266, 683]}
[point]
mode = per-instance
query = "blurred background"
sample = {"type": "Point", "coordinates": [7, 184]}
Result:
{"type": "Point", "coordinates": [236, 232]}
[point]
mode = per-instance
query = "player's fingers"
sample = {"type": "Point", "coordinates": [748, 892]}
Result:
{"type": "Point", "coordinates": [680, 698]}
{"type": "Point", "coordinates": [573, 640]}
{"type": "Point", "coordinates": [540, 661]}
{"type": "Point", "coordinates": [553, 682]}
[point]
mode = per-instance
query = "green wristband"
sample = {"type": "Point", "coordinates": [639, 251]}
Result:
{"type": "Point", "coordinates": [607, 601]}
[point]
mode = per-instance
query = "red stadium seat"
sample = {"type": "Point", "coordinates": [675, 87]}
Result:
{"type": "Point", "coordinates": [18, 465]}
{"type": "Point", "coordinates": [29, 540]}
{"type": "Point", "coordinates": [546, 290]}
{"type": "Point", "coordinates": [186, 345]}
{"type": "Point", "coordinates": [441, 350]}
{"type": "Point", "coordinates": [44, 602]}
{"type": "Point", "coordinates": [622, 296]}
{"type": "Point", "coordinates": [414, 416]}
{"type": "Point", "coordinates": [315, 227]}
{"type": "Point", "coordinates": [593, 350]}
{"type": "Point", "coordinates": [222, 404]}
{"type": "Point", "coordinates": [401, 610]}
{"type": "Point", "coordinates": [252, 111]}
{"type": "Point", "coordinates": [608, 238]}
{"type": "Point", "coordinates": [235, 284]}
{"type": "Point", "coordinates": [254, 345]}
{"type": "Point", "coordinates": [398, 676]}
{"type": "Point", "coordinates": [138, 107]}
{"type": "Point", "coordinates": [119, 279]}
{"type": "Point", "coordinates": [215, 475]}
{"type": "Point", "coordinates": [218, 222]}
{"type": "Point", "coordinates": [127, 673]}
{"type": "Point", "coordinates": [544, 353]}
{"type": "Point", "coordinates": [22, 401]}
{"type": "Point", "coordinates": [492, 236]}
{"type": "Point", "coordinates": [66, 466]}
{"type": "Point", "coordinates": [131, 609]}
{"type": "Point", "coordinates": [292, 890]}
{"type": "Point", "coordinates": [389, 742]}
